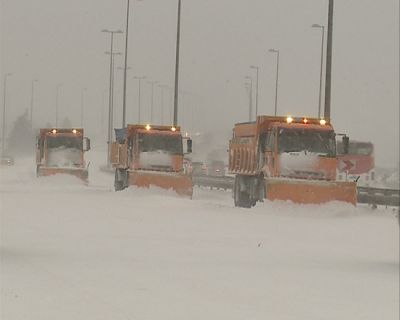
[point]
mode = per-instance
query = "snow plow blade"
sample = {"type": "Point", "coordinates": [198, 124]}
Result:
{"type": "Point", "coordinates": [180, 183]}
{"type": "Point", "coordinates": [81, 173]}
{"type": "Point", "coordinates": [316, 192]}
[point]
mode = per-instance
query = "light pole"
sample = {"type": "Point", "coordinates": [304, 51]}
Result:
{"type": "Point", "coordinates": [327, 109]}
{"type": "Point", "coordinates": [82, 96]}
{"type": "Point", "coordinates": [178, 35]}
{"type": "Point", "coordinates": [125, 65]}
{"type": "Point", "coordinates": [3, 135]}
{"type": "Point", "coordinates": [139, 97]}
{"type": "Point", "coordinates": [277, 79]}
{"type": "Point", "coordinates": [322, 61]}
{"type": "Point", "coordinates": [103, 110]}
{"type": "Point", "coordinates": [162, 103]}
{"type": "Point", "coordinates": [250, 96]}
{"type": "Point", "coordinates": [111, 100]}
{"type": "Point", "coordinates": [32, 100]}
{"type": "Point", "coordinates": [152, 99]}
{"type": "Point", "coordinates": [110, 93]}
{"type": "Point", "coordinates": [257, 68]}
{"type": "Point", "coordinates": [57, 93]}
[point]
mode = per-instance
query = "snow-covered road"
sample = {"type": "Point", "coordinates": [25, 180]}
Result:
{"type": "Point", "coordinates": [74, 252]}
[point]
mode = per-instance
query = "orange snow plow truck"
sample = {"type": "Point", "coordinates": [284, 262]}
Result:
{"type": "Point", "coordinates": [61, 151]}
{"type": "Point", "coordinates": [146, 155]}
{"type": "Point", "coordinates": [285, 158]}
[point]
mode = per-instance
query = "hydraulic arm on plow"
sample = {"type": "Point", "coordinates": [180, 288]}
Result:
{"type": "Point", "coordinates": [145, 156]}
{"type": "Point", "coordinates": [285, 158]}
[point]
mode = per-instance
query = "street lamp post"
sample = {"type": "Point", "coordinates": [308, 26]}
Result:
{"type": "Point", "coordinates": [111, 100]}
{"type": "Point", "coordinates": [125, 64]}
{"type": "Point", "coordinates": [152, 99]}
{"type": "Point", "coordinates": [162, 103]}
{"type": "Point", "coordinates": [57, 93]}
{"type": "Point", "coordinates": [32, 100]}
{"type": "Point", "coordinates": [82, 102]}
{"type": "Point", "coordinates": [327, 108]}
{"type": "Point", "coordinates": [277, 79]}
{"type": "Point", "coordinates": [3, 135]}
{"type": "Point", "coordinates": [139, 97]}
{"type": "Point", "coordinates": [322, 60]}
{"type": "Point", "coordinates": [257, 68]}
{"type": "Point", "coordinates": [178, 35]}
{"type": "Point", "coordinates": [250, 96]}
{"type": "Point", "coordinates": [110, 93]}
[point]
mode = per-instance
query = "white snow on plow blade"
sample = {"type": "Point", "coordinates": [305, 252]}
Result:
{"type": "Point", "coordinates": [64, 157]}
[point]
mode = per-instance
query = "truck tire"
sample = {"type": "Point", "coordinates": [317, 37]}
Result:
{"type": "Point", "coordinates": [241, 198]}
{"type": "Point", "coordinates": [121, 179]}
{"type": "Point", "coordinates": [261, 189]}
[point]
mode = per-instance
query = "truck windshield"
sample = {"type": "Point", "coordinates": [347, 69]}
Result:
{"type": "Point", "coordinates": [356, 148]}
{"type": "Point", "coordinates": [313, 141]}
{"type": "Point", "coordinates": [66, 142]}
{"type": "Point", "coordinates": [64, 151]}
{"type": "Point", "coordinates": [170, 144]}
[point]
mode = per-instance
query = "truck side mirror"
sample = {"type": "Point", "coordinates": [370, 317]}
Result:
{"type": "Point", "coordinates": [345, 141]}
{"type": "Point", "coordinates": [86, 144]}
{"type": "Point", "coordinates": [189, 145]}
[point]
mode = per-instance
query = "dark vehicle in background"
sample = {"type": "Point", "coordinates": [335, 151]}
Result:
{"type": "Point", "coordinates": [6, 161]}
{"type": "Point", "coordinates": [216, 168]}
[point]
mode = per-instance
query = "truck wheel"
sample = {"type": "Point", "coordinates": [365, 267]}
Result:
{"type": "Point", "coordinates": [120, 180]}
{"type": "Point", "coordinates": [261, 189]}
{"type": "Point", "coordinates": [241, 198]}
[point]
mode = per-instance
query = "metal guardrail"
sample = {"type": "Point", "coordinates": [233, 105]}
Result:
{"type": "Point", "coordinates": [225, 183]}
{"type": "Point", "coordinates": [378, 196]}
{"type": "Point", "coordinates": [373, 196]}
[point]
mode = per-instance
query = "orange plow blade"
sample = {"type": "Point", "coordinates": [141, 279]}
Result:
{"type": "Point", "coordinates": [181, 184]}
{"type": "Point", "coordinates": [303, 191]}
{"type": "Point", "coordinates": [81, 173]}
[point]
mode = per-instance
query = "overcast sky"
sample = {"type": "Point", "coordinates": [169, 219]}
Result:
{"type": "Point", "coordinates": [60, 42]}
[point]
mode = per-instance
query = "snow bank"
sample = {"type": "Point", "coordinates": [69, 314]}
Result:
{"type": "Point", "coordinates": [74, 252]}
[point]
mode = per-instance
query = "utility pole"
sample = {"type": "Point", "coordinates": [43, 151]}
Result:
{"type": "Point", "coordinates": [139, 95]}
{"type": "Point", "coordinates": [257, 68]}
{"type": "Point", "coordinates": [152, 100]}
{"type": "Point", "coordinates": [320, 71]}
{"type": "Point", "coordinates": [125, 67]}
{"type": "Point", "coordinates": [110, 94]}
{"type": "Point", "coordinates": [328, 75]}
{"type": "Point", "coordinates": [57, 93]}
{"type": "Point", "coordinates": [250, 88]}
{"type": "Point", "coordinates": [178, 34]}
{"type": "Point", "coordinates": [276, 79]}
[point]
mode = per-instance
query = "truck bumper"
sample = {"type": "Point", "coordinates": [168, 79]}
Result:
{"type": "Point", "coordinates": [180, 183]}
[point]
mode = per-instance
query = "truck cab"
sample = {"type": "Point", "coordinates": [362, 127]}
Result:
{"type": "Point", "coordinates": [145, 155]}
{"type": "Point", "coordinates": [61, 150]}
{"type": "Point", "coordinates": [285, 158]}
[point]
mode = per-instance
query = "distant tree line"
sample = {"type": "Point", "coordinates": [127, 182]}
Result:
{"type": "Point", "coordinates": [22, 137]}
